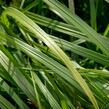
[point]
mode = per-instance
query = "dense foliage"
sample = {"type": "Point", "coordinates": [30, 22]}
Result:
{"type": "Point", "coordinates": [54, 54]}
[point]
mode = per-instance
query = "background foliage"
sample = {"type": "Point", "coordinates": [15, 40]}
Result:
{"type": "Point", "coordinates": [54, 54]}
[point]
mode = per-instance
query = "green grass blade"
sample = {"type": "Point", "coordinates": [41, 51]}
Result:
{"type": "Point", "coordinates": [106, 32]}
{"type": "Point", "coordinates": [93, 14]}
{"type": "Point", "coordinates": [35, 89]}
{"type": "Point", "coordinates": [18, 77]}
{"type": "Point", "coordinates": [15, 97]}
{"type": "Point", "coordinates": [5, 103]}
{"type": "Point", "coordinates": [66, 15]}
{"type": "Point", "coordinates": [62, 27]}
{"type": "Point", "coordinates": [56, 25]}
{"type": "Point", "coordinates": [100, 58]}
{"type": "Point", "coordinates": [54, 104]}
{"type": "Point", "coordinates": [82, 51]}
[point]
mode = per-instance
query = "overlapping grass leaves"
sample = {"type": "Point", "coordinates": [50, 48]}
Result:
{"type": "Point", "coordinates": [28, 23]}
